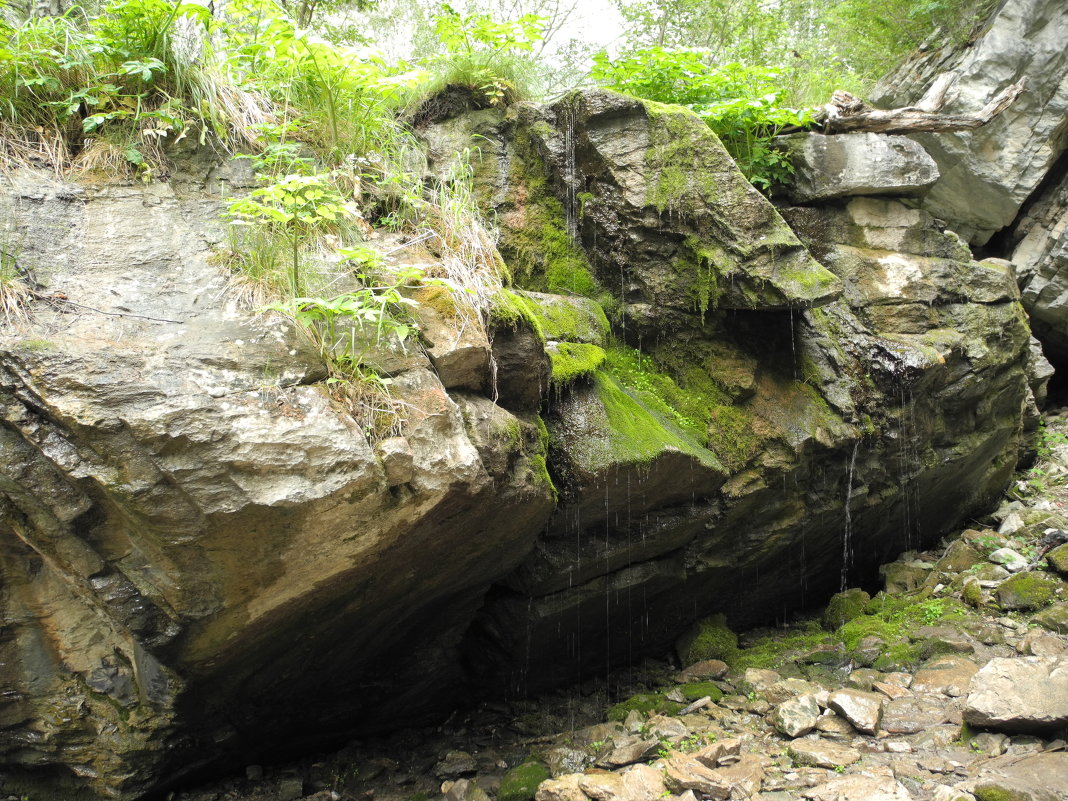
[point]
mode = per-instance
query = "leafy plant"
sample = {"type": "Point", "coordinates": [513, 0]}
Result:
{"type": "Point", "coordinates": [295, 207]}
{"type": "Point", "coordinates": [740, 103]}
{"type": "Point", "coordinates": [486, 56]}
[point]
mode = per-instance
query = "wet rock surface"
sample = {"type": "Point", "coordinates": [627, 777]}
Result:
{"type": "Point", "coordinates": [928, 744]}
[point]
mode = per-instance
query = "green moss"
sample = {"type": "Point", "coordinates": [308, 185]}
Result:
{"type": "Point", "coordinates": [690, 398]}
{"type": "Point", "coordinates": [704, 267]}
{"type": "Point", "coordinates": [843, 607]}
{"type": "Point", "coordinates": [679, 145]}
{"type": "Point", "coordinates": [535, 237]}
{"type": "Point", "coordinates": [972, 594]}
{"type": "Point", "coordinates": [782, 646]}
{"type": "Point", "coordinates": [1028, 591]}
{"type": "Point", "coordinates": [634, 432]}
{"type": "Point", "coordinates": [711, 638]}
{"type": "Point", "coordinates": [440, 300]}
{"type": "Point", "coordinates": [572, 360]}
{"type": "Point", "coordinates": [539, 459]}
{"type": "Point", "coordinates": [521, 782]}
{"type": "Point", "coordinates": [893, 619]}
{"type": "Point", "coordinates": [991, 792]}
{"type": "Point", "coordinates": [645, 703]}
{"type": "Point", "coordinates": [699, 689]}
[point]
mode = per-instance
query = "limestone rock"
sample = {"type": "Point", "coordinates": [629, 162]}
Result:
{"type": "Point", "coordinates": [821, 753]}
{"type": "Point", "coordinates": [636, 783]}
{"type": "Point", "coordinates": [845, 165]}
{"type": "Point", "coordinates": [1009, 559]}
{"type": "Point", "coordinates": [702, 671]}
{"type": "Point", "coordinates": [1054, 618]}
{"type": "Point", "coordinates": [1031, 590]}
{"type": "Point", "coordinates": [948, 675]}
{"type": "Point", "coordinates": [683, 773]}
{"type": "Point", "coordinates": [797, 716]}
{"type": "Point", "coordinates": [987, 174]}
{"type": "Point", "coordinates": [1025, 694]}
{"type": "Point", "coordinates": [1041, 777]}
{"type": "Point", "coordinates": [859, 787]}
{"type": "Point", "coordinates": [562, 788]}
{"type": "Point", "coordinates": [861, 709]}
{"type": "Point", "coordinates": [912, 714]}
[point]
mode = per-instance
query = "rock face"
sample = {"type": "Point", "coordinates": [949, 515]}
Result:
{"type": "Point", "coordinates": [827, 167]}
{"type": "Point", "coordinates": [200, 546]}
{"type": "Point", "coordinates": [192, 530]}
{"type": "Point", "coordinates": [988, 174]}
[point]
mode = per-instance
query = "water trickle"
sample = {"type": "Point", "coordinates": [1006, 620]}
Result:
{"type": "Point", "coordinates": [847, 534]}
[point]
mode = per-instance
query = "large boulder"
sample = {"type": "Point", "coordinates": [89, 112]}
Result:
{"type": "Point", "coordinates": [197, 542]}
{"type": "Point", "coordinates": [1025, 694]}
{"type": "Point", "coordinates": [988, 174]}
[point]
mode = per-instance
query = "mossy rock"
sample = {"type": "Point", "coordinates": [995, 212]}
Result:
{"type": "Point", "coordinates": [573, 360]}
{"type": "Point", "coordinates": [1030, 590]}
{"type": "Point", "coordinates": [644, 703]}
{"type": "Point", "coordinates": [1054, 618]}
{"type": "Point", "coordinates": [1058, 559]}
{"type": "Point", "coordinates": [521, 782]}
{"type": "Point", "coordinates": [699, 689]}
{"type": "Point", "coordinates": [710, 638]}
{"type": "Point", "coordinates": [993, 792]}
{"type": "Point", "coordinates": [843, 607]}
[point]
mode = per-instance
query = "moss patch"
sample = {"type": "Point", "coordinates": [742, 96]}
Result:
{"type": "Point", "coordinates": [634, 432]}
{"type": "Point", "coordinates": [572, 360]}
{"type": "Point", "coordinates": [893, 619]}
{"type": "Point", "coordinates": [1029, 591]}
{"type": "Point", "coordinates": [521, 782]}
{"type": "Point", "coordinates": [711, 638]}
{"type": "Point", "coordinates": [645, 703]}
{"type": "Point", "coordinates": [783, 646]}
{"type": "Point", "coordinates": [843, 607]}
{"type": "Point", "coordinates": [699, 689]}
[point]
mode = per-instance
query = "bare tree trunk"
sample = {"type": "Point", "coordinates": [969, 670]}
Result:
{"type": "Point", "coordinates": [49, 8]}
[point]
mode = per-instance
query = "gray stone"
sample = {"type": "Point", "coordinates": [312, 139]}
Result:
{"type": "Point", "coordinates": [949, 675]}
{"type": "Point", "coordinates": [683, 773]}
{"type": "Point", "coordinates": [1041, 777]}
{"type": "Point", "coordinates": [1025, 694]}
{"type": "Point", "coordinates": [1054, 618]}
{"type": "Point", "coordinates": [860, 708]}
{"type": "Point", "coordinates": [561, 788]}
{"type": "Point", "coordinates": [859, 788]}
{"type": "Point", "coordinates": [821, 753]}
{"type": "Point", "coordinates": [843, 165]}
{"type": "Point", "coordinates": [397, 460]}
{"type": "Point", "coordinates": [796, 716]}
{"type": "Point", "coordinates": [1009, 559]}
{"type": "Point", "coordinates": [455, 763]}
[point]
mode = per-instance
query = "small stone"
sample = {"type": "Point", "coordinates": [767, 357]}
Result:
{"type": "Point", "coordinates": [843, 607]}
{"type": "Point", "coordinates": [859, 787]}
{"type": "Point", "coordinates": [796, 716]}
{"type": "Point", "coordinates": [861, 709]}
{"type": "Point", "coordinates": [1012, 523]}
{"type": "Point", "coordinates": [563, 760]}
{"type": "Point", "coordinates": [821, 753]}
{"type": "Point", "coordinates": [1030, 590]}
{"type": "Point", "coordinates": [713, 754]}
{"type": "Point", "coordinates": [834, 725]}
{"type": "Point", "coordinates": [628, 751]}
{"type": "Point", "coordinates": [666, 728]}
{"type": "Point", "coordinates": [863, 679]}
{"type": "Point", "coordinates": [913, 714]}
{"type": "Point", "coordinates": [254, 773]}
{"type": "Point", "coordinates": [1058, 559]}
{"type": "Point", "coordinates": [891, 691]}
{"type": "Point", "coordinates": [634, 721]}
{"type": "Point", "coordinates": [897, 747]}
{"type": "Point", "coordinates": [991, 744]}
{"type": "Point", "coordinates": [758, 680]}
{"type": "Point", "coordinates": [1009, 559]}
{"type": "Point", "coordinates": [943, 792]}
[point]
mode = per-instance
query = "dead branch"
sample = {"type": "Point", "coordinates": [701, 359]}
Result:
{"type": "Point", "coordinates": [913, 119]}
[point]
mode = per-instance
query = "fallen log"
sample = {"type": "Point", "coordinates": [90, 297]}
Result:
{"type": "Point", "coordinates": [845, 114]}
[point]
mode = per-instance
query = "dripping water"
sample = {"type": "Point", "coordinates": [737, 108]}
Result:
{"type": "Point", "coordinates": [570, 173]}
{"type": "Point", "coordinates": [847, 535]}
